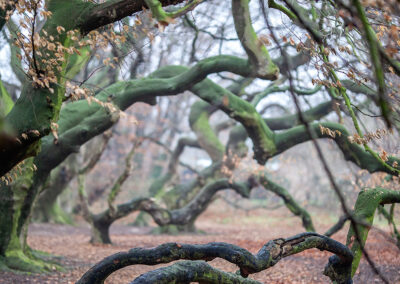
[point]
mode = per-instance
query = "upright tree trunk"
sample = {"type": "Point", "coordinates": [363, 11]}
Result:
{"type": "Point", "coordinates": [100, 231]}
{"type": "Point", "coordinates": [51, 212]}
{"type": "Point", "coordinates": [14, 219]}
{"type": "Point", "coordinates": [46, 208]}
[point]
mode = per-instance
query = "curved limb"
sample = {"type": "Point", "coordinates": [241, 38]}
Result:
{"type": "Point", "coordinates": [258, 54]}
{"type": "Point", "coordinates": [121, 94]}
{"type": "Point", "coordinates": [277, 89]}
{"type": "Point", "coordinates": [183, 216]}
{"type": "Point", "coordinates": [270, 254]}
{"type": "Point", "coordinates": [352, 151]}
{"type": "Point", "coordinates": [238, 133]}
{"type": "Point", "coordinates": [164, 18]}
{"type": "Point", "coordinates": [98, 15]}
{"type": "Point", "coordinates": [191, 271]}
{"type": "Point", "coordinates": [199, 122]}
{"type": "Point", "coordinates": [376, 60]}
{"type": "Point", "coordinates": [290, 203]}
{"type": "Point", "coordinates": [364, 211]}
{"type": "Point", "coordinates": [79, 122]}
{"type": "Point", "coordinates": [235, 107]}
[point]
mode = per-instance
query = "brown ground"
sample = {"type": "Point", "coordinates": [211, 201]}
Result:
{"type": "Point", "coordinates": [250, 232]}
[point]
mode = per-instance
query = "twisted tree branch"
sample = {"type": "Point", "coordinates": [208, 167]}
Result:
{"type": "Point", "coordinates": [270, 254]}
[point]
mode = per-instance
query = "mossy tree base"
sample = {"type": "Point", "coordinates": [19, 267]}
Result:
{"type": "Point", "coordinates": [17, 260]}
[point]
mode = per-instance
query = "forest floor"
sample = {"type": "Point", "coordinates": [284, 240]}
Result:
{"type": "Point", "coordinates": [219, 223]}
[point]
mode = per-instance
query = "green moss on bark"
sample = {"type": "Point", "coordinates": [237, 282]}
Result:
{"type": "Point", "coordinates": [290, 203]}
{"type": "Point", "coordinates": [255, 49]}
{"type": "Point", "coordinates": [364, 211]}
{"type": "Point", "coordinates": [199, 122]}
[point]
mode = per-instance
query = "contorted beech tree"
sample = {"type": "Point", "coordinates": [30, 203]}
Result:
{"type": "Point", "coordinates": [51, 49]}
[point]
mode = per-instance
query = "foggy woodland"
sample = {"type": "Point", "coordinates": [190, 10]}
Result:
{"type": "Point", "coordinates": [199, 141]}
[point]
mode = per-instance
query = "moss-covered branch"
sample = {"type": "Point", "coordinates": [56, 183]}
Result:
{"type": "Point", "coordinates": [277, 89]}
{"type": "Point", "coordinates": [191, 271]}
{"type": "Point", "coordinates": [272, 4]}
{"type": "Point", "coordinates": [94, 16]}
{"type": "Point", "coordinates": [6, 103]}
{"type": "Point", "coordinates": [199, 122]}
{"type": "Point", "coordinates": [37, 107]}
{"type": "Point", "coordinates": [258, 54]}
{"type": "Point", "coordinates": [166, 17]}
{"type": "Point", "coordinates": [15, 51]}
{"type": "Point", "coordinates": [364, 211]}
{"type": "Point", "coordinates": [238, 133]}
{"type": "Point", "coordinates": [352, 151]}
{"type": "Point", "coordinates": [375, 60]}
{"type": "Point", "coordinates": [235, 107]}
{"type": "Point", "coordinates": [290, 203]}
{"type": "Point", "coordinates": [79, 122]}
{"type": "Point", "coordinates": [312, 114]}
{"type": "Point", "coordinates": [302, 19]}
{"type": "Point", "coordinates": [270, 254]}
